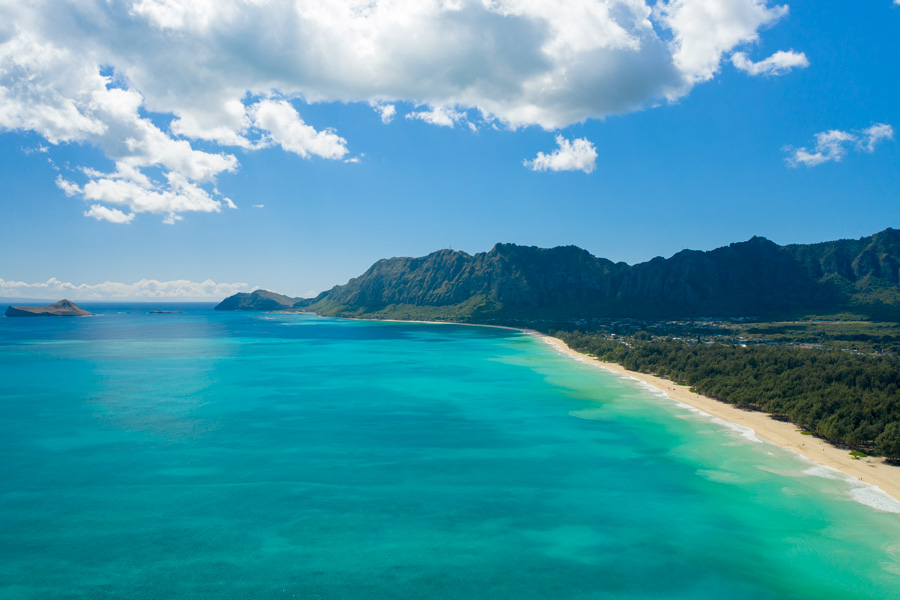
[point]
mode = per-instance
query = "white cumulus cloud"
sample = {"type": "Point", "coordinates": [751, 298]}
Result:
{"type": "Point", "coordinates": [386, 111]}
{"type": "Point", "coordinates": [283, 125]}
{"type": "Point", "coordinates": [128, 187]}
{"type": "Point", "coordinates": [145, 289]}
{"type": "Point", "coordinates": [707, 29]}
{"type": "Point", "coordinates": [172, 89]}
{"type": "Point", "coordinates": [577, 155]}
{"type": "Point", "coordinates": [833, 145]}
{"type": "Point", "coordinates": [778, 64]}
{"type": "Point", "coordinates": [104, 213]}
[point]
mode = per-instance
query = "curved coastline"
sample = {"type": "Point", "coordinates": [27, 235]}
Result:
{"type": "Point", "coordinates": [870, 470]}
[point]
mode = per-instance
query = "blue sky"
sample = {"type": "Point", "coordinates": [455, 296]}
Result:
{"type": "Point", "coordinates": [155, 151]}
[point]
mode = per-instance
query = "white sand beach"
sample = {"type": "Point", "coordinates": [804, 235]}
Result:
{"type": "Point", "coordinates": [869, 470]}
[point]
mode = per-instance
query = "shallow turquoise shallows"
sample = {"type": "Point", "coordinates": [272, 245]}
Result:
{"type": "Point", "coordinates": [227, 455]}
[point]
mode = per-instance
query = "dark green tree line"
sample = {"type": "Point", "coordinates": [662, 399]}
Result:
{"type": "Point", "coordinates": [849, 399]}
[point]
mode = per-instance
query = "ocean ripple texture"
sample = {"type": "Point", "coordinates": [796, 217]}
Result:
{"type": "Point", "coordinates": [204, 454]}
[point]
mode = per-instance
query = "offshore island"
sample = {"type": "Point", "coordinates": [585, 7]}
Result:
{"type": "Point", "coordinates": [63, 308]}
{"type": "Point", "coordinates": [799, 343]}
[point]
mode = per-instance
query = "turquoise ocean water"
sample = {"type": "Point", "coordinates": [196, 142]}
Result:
{"type": "Point", "coordinates": [227, 455]}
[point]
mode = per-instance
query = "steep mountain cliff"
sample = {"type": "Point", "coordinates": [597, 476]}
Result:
{"type": "Point", "coordinates": [866, 270]}
{"type": "Point", "coordinates": [754, 278]}
{"type": "Point", "coordinates": [515, 275]}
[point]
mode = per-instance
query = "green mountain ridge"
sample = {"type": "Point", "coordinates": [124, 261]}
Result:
{"type": "Point", "coordinates": [756, 278]}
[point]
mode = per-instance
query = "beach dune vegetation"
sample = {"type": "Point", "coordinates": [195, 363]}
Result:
{"type": "Point", "coordinates": [849, 399]}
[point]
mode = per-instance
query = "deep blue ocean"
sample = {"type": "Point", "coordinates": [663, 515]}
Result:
{"type": "Point", "coordinates": [243, 455]}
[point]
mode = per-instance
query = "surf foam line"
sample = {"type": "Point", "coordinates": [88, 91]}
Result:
{"type": "Point", "coordinates": [859, 491]}
{"type": "Point", "coordinates": [742, 431]}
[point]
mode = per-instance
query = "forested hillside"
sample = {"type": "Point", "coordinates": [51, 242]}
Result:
{"type": "Point", "coordinates": [756, 278]}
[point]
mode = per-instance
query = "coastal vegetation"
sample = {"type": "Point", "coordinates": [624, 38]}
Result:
{"type": "Point", "coordinates": [851, 399]}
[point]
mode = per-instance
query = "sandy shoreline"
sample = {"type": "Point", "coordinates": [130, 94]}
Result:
{"type": "Point", "coordinates": [869, 470]}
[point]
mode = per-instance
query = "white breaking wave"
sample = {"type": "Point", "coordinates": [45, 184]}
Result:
{"type": "Point", "coordinates": [864, 493]}
{"type": "Point", "coordinates": [861, 492]}
{"type": "Point", "coordinates": [875, 497]}
{"type": "Point", "coordinates": [827, 472]}
{"type": "Point", "coordinates": [742, 431]}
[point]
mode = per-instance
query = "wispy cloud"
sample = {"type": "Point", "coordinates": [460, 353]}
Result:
{"type": "Point", "coordinates": [780, 63]}
{"type": "Point", "coordinates": [577, 155]}
{"type": "Point", "coordinates": [874, 134]}
{"type": "Point", "coordinates": [150, 289]}
{"type": "Point", "coordinates": [442, 116]}
{"type": "Point", "coordinates": [833, 145]}
{"type": "Point", "coordinates": [40, 148]}
{"type": "Point", "coordinates": [113, 215]}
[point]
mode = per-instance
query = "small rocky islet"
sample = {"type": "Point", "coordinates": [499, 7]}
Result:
{"type": "Point", "coordinates": [63, 308]}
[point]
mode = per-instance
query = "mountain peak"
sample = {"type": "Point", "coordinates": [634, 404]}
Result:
{"type": "Point", "coordinates": [756, 241]}
{"type": "Point", "coordinates": [753, 278]}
